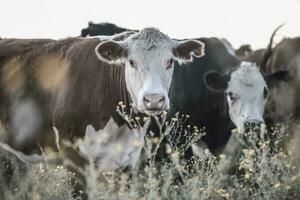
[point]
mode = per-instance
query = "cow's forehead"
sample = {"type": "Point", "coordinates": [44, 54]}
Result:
{"type": "Point", "coordinates": [247, 78]}
{"type": "Point", "coordinates": [149, 39]}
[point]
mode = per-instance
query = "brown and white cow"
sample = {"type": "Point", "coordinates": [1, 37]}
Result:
{"type": "Point", "coordinates": [76, 82]}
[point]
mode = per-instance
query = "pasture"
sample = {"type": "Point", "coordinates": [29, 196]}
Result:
{"type": "Point", "coordinates": [153, 155]}
{"type": "Point", "coordinates": [262, 166]}
{"type": "Point", "coordinates": [159, 100]}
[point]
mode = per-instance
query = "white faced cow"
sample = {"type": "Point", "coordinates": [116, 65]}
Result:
{"type": "Point", "coordinates": [246, 90]}
{"type": "Point", "coordinates": [77, 82]}
{"type": "Point", "coordinates": [148, 57]}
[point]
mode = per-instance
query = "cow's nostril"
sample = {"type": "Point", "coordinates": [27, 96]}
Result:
{"type": "Point", "coordinates": [146, 100]}
{"type": "Point", "coordinates": [154, 101]}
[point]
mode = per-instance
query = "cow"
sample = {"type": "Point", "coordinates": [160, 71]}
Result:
{"type": "Point", "coordinates": [206, 89]}
{"type": "Point", "coordinates": [101, 29]}
{"type": "Point", "coordinates": [204, 107]}
{"type": "Point", "coordinates": [243, 51]}
{"type": "Point", "coordinates": [192, 94]}
{"type": "Point", "coordinates": [284, 56]}
{"type": "Point", "coordinates": [246, 53]}
{"type": "Point", "coordinates": [75, 82]}
{"type": "Point", "coordinates": [72, 83]}
{"type": "Point", "coordinates": [246, 90]}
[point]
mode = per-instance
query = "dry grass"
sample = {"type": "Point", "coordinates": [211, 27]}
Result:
{"type": "Point", "coordinates": [258, 165]}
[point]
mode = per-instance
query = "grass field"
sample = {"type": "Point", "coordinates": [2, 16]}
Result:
{"type": "Point", "coordinates": [257, 165]}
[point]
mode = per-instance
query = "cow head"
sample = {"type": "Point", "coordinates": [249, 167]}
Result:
{"type": "Point", "coordinates": [246, 91]}
{"type": "Point", "coordinates": [148, 57]}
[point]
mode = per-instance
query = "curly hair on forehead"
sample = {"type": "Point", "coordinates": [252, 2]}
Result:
{"type": "Point", "coordinates": [151, 37]}
{"type": "Point", "coordinates": [248, 74]}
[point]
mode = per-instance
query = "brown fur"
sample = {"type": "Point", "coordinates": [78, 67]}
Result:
{"type": "Point", "coordinates": [12, 76]}
{"type": "Point", "coordinates": [286, 56]}
{"type": "Point", "coordinates": [65, 78]}
{"type": "Point", "coordinates": [51, 73]}
{"type": "Point", "coordinates": [69, 84]}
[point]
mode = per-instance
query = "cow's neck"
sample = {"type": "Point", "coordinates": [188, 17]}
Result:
{"type": "Point", "coordinates": [122, 96]}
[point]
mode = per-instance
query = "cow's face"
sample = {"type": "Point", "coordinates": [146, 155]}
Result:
{"type": "Point", "coordinates": [148, 57]}
{"type": "Point", "coordinates": [246, 91]}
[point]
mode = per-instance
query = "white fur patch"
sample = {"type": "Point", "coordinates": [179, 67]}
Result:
{"type": "Point", "coordinates": [246, 86]}
{"type": "Point", "coordinates": [248, 74]}
{"type": "Point", "coordinates": [113, 147]}
{"type": "Point", "coordinates": [25, 121]}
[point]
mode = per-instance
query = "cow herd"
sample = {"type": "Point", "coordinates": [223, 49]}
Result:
{"type": "Point", "coordinates": [72, 83]}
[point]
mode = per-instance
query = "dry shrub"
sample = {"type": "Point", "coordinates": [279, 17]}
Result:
{"type": "Point", "coordinates": [258, 165]}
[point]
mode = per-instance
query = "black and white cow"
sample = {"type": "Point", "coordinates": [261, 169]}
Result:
{"type": "Point", "coordinates": [246, 90]}
{"type": "Point", "coordinates": [219, 90]}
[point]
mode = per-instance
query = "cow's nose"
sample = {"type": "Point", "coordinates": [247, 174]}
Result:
{"type": "Point", "coordinates": [252, 125]}
{"type": "Point", "coordinates": [154, 101]}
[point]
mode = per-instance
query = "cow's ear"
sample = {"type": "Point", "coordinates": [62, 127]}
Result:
{"type": "Point", "coordinates": [111, 52]}
{"type": "Point", "coordinates": [274, 78]}
{"type": "Point", "coordinates": [186, 50]}
{"type": "Point", "coordinates": [216, 81]}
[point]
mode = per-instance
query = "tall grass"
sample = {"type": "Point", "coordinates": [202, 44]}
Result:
{"type": "Point", "coordinates": [256, 165]}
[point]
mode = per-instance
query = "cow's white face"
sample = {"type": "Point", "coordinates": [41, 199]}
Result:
{"type": "Point", "coordinates": [148, 77]}
{"type": "Point", "coordinates": [246, 96]}
{"type": "Point", "coordinates": [246, 93]}
{"type": "Point", "coordinates": [148, 57]}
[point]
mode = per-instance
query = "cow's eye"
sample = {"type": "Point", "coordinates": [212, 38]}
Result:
{"type": "Point", "coordinates": [231, 96]}
{"type": "Point", "coordinates": [170, 64]}
{"type": "Point", "coordinates": [132, 64]}
{"type": "Point", "coordinates": [265, 92]}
